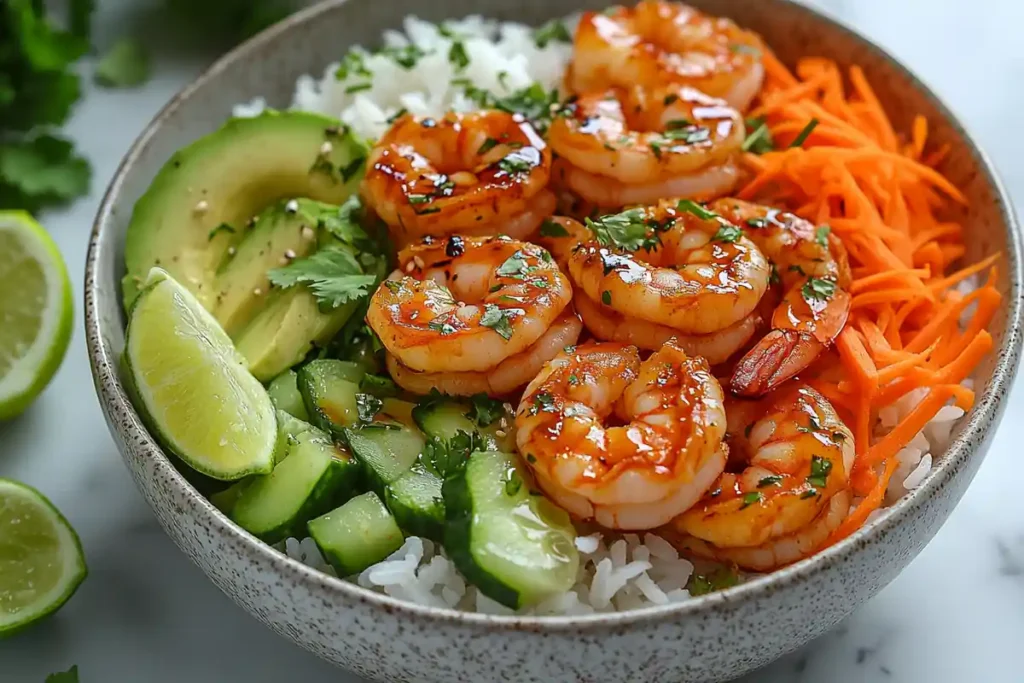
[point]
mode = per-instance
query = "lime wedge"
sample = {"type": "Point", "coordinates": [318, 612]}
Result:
{"type": "Point", "coordinates": [193, 387]}
{"type": "Point", "coordinates": [35, 311]}
{"type": "Point", "coordinates": [41, 560]}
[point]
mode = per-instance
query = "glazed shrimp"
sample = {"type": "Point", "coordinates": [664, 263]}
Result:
{"type": "Point", "coordinates": [620, 147]}
{"type": "Point", "coordinates": [479, 173]}
{"type": "Point", "coordinates": [636, 476]}
{"type": "Point", "coordinates": [608, 324]}
{"type": "Point", "coordinates": [656, 43]}
{"type": "Point", "coordinates": [508, 375]}
{"type": "Point", "coordinates": [812, 265]}
{"type": "Point", "coordinates": [699, 275]}
{"type": "Point", "coordinates": [790, 460]}
{"type": "Point", "coordinates": [464, 304]}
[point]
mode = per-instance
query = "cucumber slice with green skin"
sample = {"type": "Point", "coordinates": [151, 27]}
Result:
{"type": "Point", "coordinates": [329, 389]}
{"type": "Point", "coordinates": [356, 535]}
{"type": "Point", "coordinates": [517, 548]}
{"type": "Point", "coordinates": [314, 477]}
{"type": "Point", "coordinates": [284, 392]}
{"type": "Point", "coordinates": [444, 418]}
{"type": "Point", "coordinates": [416, 502]}
{"type": "Point", "coordinates": [386, 453]}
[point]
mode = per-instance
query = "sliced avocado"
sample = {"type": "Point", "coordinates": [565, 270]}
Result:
{"type": "Point", "coordinates": [287, 328]}
{"type": "Point", "coordinates": [285, 231]}
{"type": "Point", "coordinates": [198, 204]}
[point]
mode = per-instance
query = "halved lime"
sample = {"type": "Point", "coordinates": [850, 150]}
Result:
{"type": "Point", "coordinates": [35, 311]}
{"type": "Point", "coordinates": [41, 560]}
{"type": "Point", "coordinates": [195, 391]}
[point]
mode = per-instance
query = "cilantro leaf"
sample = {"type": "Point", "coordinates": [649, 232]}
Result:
{"type": "Point", "coordinates": [485, 410]}
{"type": "Point", "coordinates": [701, 584]}
{"type": "Point", "coordinates": [821, 235]}
{"type": "Point", "coordinates": [497, 320]}
{"type": "Point", "coordinates": [447, 456]}
{"type": "Point", "coordinates": [333, 274]}
{"type": "Point", "coordinates": [345, 224]}
{"type": "Point", "coordinates": [818, 289]}
{"type": "Point", "coordinates": [728, 233]}
{"type": "Point", "coordinates": [513, 265]}
{"type": "Point", "coordinates": [39, 171]}
{"type": "Point", "coordinates": [457, 55]}
{"type": "Point", "coordinates": [553, 31]}
{"type": "Point", "coordinates": [549, 228]}
{"type": "Point", "coordinates": [125, 65]}
{"type": "Point", "coordinates": [69, 676]}
{"type": "Point", "coordinates": [820, 468]}
{"type": "Point", "coordinates": [627, 230]}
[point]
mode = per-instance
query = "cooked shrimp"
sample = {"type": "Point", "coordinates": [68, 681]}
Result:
{"type": "Point", "coordinates": [811, 263]}
{"type": "Point", "coordinates": [480, 173]}
{"type": "Point", "coordinates": [790, 456]}
{"type": "Point", "coordinates": [638, 475]}
{"type": "Point", "coordinates": [464, 304]}
{"type": "Point", "coordinates": [508, 375]}
{"type": "Point", "coordinates": [607, 324]}
{"type": "Point", "coordinates": [694, 273]}
{"type": "Point", "coordinates": [637, 146]}
{"type": "Point", "coordinates": [656, 43]}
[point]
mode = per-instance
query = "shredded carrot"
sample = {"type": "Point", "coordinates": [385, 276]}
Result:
{"type": "Point", "coordinates": [883, 192]}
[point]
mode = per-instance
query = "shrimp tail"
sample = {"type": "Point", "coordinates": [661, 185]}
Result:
{"type": "Point", "coordinates": [779, 355]}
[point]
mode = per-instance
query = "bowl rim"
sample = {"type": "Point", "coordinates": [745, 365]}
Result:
{"type": "Point", "coordinates": [965, 446]}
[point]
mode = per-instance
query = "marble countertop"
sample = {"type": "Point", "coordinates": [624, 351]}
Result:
{"type": "Point", "coordinates": [147, 614]}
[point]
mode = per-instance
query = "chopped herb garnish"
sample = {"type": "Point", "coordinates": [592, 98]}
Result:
{"type": "Point", "coordinates": [457, 55]}
{"type": "Point", "coordinates": [406, 57]}
{"type": "Point", "coordinates": [513, 482]}
{"type": "Point", "coordinates": [821, 235]}
{"type": "Point", "coordinates": [542, 401]}
{"type": "Point", "coordinates": [447, 456]}
{"type": "Point", "coordinates": [757, 223]}
{"type": "Point", "coordinates": [367, 407]}
{"type": "Point", "coordinates": [397, 115]}
{"type": "Point", "coordinates": [809, 493]}
{"type": "Point", "coordinates": [333, 274]}
{"type": "Point", "coordinates": [820, 467]}
{"type": "Point", "coordinates": [553, 31]}
{"type": "Point", "coordinates": [692, 207]}
{"type": "Point", "coordinates": [550, 228]}
{"type": "Point", "coordinates": [223, 227]}
{"type": "Point", "coordinates": [442, 324]}
{"type": "Point", "coordinates": [771, 480]}
{"type": "Point", "coordinates": [358, 87]}
{"type": "Point", "coordinates": [669, 99]}
{"type": "Point", "coordinates": [531, 458]}
{"type": "Point", "coordinates": [533, 102]}
{"type": "Point", "coordinates": [818, 289]}
{"type": "Point", "coordinates": [751, 498]}
{"type": "Point", "coordinates": [728, 233]}
{"type": "Point", "coordinates": [628, 230]}
{"type": "Point", "coordinates": [394, 285]}
{"type": "Point", "coordinates": [513, 265]}
{"type": "Point", "coordinates": [774, 278]}
{"type": "Point", "coordinates": [351, 63]}
{"type": "Point", "coordinates": [485, 410]}
{"type": "Point", "coordinates": [415, 199]}
{"type": "Point", "coordinates": [515, 163]}
{"type": "Point", "coordinates": [795, 268]}
{"type": "Point", "coordinates": [656, 148]}
{"type": "Point", "coordinates": [487, 146]}
{"type": "Point", "coordinates": [573, 380]}
{"type": "Point", "coordinates": [760, 140]}
{"type": "Point", "coordinates": [804, 134]}
{"type": "Point", "coordinates": [676, 124]}
{"type": "Point", "coordinates": [702, 584]}
{"type": "Point", "coordinates": [606, 298]}
{"type": "Point", "coordinates": [498, 320]}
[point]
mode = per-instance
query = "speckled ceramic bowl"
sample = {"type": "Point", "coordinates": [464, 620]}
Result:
{"type": "Point", "coordinates": [711, 638]}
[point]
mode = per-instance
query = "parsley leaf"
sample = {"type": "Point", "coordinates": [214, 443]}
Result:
{"type": "Point", "coordinates": [125, 65]}
{"type": "Point", "coordinates": [333, 274]}
{"type": "Point", "coordinates": [818, 289]}
{"type": "Point", "coordinates": [553, 31]}
{"type": "Point", "coordinates": [513, 482]}
{"type": "Point", "coordinates": [497, 320]}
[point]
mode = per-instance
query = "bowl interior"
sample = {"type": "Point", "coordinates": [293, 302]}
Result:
{"type": "Point", "coordinates": [269, 65]}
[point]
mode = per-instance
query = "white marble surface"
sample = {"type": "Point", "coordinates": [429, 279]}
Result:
{"type": "Point", "coordinates": [147, 614]}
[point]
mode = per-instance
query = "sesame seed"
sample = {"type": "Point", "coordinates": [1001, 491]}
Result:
{"type": "Point", "coordinates": [326, 149]}
{"type": "Point", "coordinates": [257, 291]}
{"type": "Point", "coordinates": [410, 266]}
{"type": "Point", "coordinates": [500, 433]}
{"type": "Point", "coordinates": [292, 206]}
{"type": "Point", "coordinates": [307, 233]}
{"type": "Point", "coordinates": [231, 251]}
{"type": "Point", "coordinates": [418, 261]}
{"type": "Point", "coordinates": [289, 254]}
{"type": "Point", "coordinates": [202, 206]}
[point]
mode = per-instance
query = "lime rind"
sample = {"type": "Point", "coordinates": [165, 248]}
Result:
{"type": "Point", "coordinates": [34, 370]}
{"type": "Point", "coordinates": [71, 557]}
{"type": "Point", "coordinates": [192, 385]}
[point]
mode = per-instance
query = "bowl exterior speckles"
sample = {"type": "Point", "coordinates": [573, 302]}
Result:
{"type": "Point", "coordinates": [711, 638]}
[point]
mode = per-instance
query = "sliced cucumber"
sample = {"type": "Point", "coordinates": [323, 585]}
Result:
{"type": "Point", "coordinates": [329, 389]}
{"type": "Point", "coordinates": [314, 476]}
{"type": "Point", "coordinates": [356, 535]}
{"type": "Point", "coordinates": [444, 418]}
{"type": "Point", "coordinates": [386, 452]}
{"type": "Point", "coordinates": [284, 392]}
{"type": "Point", "coordinates": [517, 548]}
{"type": "Point", "coordinates": [416, 502]}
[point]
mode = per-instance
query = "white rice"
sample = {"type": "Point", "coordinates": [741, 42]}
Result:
{"type": "Point", "coordinates": [616, 572]}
